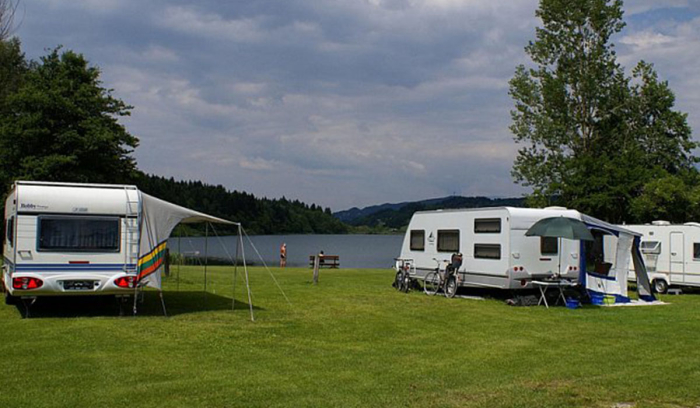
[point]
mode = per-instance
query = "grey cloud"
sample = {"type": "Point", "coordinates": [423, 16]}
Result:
{"type": "Point", "coordinates": [382, 100]}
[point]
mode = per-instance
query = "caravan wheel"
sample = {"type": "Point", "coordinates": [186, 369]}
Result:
{"type": "Point", "coordinates": [660, 286]}
{"type": "Point", "coordinates": [10, 300]}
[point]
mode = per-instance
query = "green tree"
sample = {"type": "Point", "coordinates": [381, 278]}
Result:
{"type": "Point", "coordinates": [13, 67]}
{"type": "Point", "coordinates": [590, 137]}
{"type": "Point", "coordinates": [667, 198]}
{"type": "Point", "coordinates": [62, 125]}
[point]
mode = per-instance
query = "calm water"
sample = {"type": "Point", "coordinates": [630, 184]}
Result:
{"type": "Point", "coordinates": [355, 251]}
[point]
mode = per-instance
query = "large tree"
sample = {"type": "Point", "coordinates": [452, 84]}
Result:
{"type": "Point", "coordinates": [61, 124]}
{"type": "Point", "coordinates": [590, 136]}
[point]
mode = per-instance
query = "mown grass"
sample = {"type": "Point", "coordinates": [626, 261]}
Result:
{"type": "Point", "coordinates": [351, 341]}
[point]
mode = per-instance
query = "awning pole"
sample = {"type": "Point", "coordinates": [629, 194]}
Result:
{"type": "Point", "coordinates": [179, 255]}
{"type": "Point", "coordinates": [235, 266]}
{"type": "Point", "coordinates": [247, 281]}
{"type": "Point", "coordinates": [206, 260]}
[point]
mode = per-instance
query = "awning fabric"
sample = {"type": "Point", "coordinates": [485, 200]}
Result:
{"type": "Point", "coordinates": [627, 254]}
{"type": "Point", "coordinates": [158, 219]}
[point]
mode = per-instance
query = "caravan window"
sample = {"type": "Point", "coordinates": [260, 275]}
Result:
{"type": "Point", "coordinates": [487, 225]}
{"type": "Point", "coordinates": [448, 241]}
{"type": "Point", "coordinates": [79, 234]}
{"type": "Point", "coordinates": [9, 233]}
{"type": "Point", "coordinates": [487, 251]}
{"type": "Point", "coordinates": [417, 240]}
{"type": "Point", "coordinates": [650, 247]}
{"type": "Point", "coordinates": [696, 250]}
{"type": "Point", "coordinates": [549, 245]}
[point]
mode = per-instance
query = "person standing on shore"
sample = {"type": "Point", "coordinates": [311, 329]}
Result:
{"type": "Point", "coordinates": [283, 255]}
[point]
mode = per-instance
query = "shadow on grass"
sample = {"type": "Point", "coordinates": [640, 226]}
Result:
{"type": "Point", "coordinates": [176, 303]}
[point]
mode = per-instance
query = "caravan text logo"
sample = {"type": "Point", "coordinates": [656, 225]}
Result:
{"type": "Point", "coordinates": [30, 206]}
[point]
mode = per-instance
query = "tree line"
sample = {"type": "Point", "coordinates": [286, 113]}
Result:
{"type": "Point", "coordinates": [258, 215]}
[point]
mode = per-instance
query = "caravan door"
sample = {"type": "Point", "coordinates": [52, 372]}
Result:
{"type": "Point", "coordinates": [677, 257]}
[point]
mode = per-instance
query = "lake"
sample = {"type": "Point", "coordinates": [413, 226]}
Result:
{"type": "Point", "coordinates": [355, 251]}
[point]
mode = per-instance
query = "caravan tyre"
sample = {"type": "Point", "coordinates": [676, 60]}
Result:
{"type": "Point", "coordinates": [660, 286]}
{"type": "Point", "coordinates": [10, 300]}
{"type": "Point", "coordinates": [451, 287]}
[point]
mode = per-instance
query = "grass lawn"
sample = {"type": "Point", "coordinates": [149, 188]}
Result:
{"type": "Point", "coordinates": [351, 341]}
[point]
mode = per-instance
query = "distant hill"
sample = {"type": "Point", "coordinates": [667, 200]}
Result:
{"type": "Point", "coordinates": [397, 216]}
{"type": "Point", "coordinates": [348, 216]}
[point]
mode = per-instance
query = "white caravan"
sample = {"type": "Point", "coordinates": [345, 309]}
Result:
{"type": "Point", "coordinates": [671, 253]}
{"type": "Point", "coordinates": [70, 239]}
{"type": "Point", "coordinates": [497, 254]}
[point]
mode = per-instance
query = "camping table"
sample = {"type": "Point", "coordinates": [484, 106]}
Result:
{"type": "Point", "coordinates": [544, 285]}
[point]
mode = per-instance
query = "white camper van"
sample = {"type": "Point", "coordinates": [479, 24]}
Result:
{"type": "Point", "coordinates": [671, 253]}
{"type": "Point", "coordinates": [70, 239]}
{"type": "Point", "coordinates": [496, 252]}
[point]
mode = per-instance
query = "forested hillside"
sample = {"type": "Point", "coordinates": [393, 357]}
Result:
{"type": "Point", "coordinates": [258, 215]}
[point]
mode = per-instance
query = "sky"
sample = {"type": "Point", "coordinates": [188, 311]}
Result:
{"type": "Point", "coordinates": [338, 103]}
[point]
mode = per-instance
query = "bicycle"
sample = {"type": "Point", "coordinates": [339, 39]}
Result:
{"type": "Point", "coordinates": [402, 280]}
{"type": "Point", "coordinates": [446, 280]}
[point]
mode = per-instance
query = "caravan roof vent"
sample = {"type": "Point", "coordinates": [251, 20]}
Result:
{"type": "Point", "coordinates": [555, 208]}
{"type": "Point", "coordinates": [692, 224]}
{"type": "Point", "coordinates": [660, 223]}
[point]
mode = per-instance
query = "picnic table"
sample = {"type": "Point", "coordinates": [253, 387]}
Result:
{"type": "Point", "coordinates": [325, 261]}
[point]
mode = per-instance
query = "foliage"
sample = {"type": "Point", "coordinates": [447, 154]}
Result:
{"type": "Point", "coordinates": [258, 215]}
{"type": "Point", "coordinates": [351, 341]}
{"type": "Point", "coordinates": [668, 198]}
{"type": "Point", "coordinates": [13, 66]}
{"type": "Point", "coordinates": [61, 125]}
{"type": "Point", "coordinates": [591, 138]}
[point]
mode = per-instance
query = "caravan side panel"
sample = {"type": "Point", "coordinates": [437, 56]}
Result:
{"type": "Point", "coordinates": [671, 252]}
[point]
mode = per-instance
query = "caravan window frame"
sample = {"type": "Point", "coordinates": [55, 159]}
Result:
{"type": "Point", "coordinates": [696, 251]}
{"type": "Point", "coordinates": [486, 225]}
{"type": "Point", "coordinates": [655, 249]}
{"type": "Point", "coordinates": [10, 231]}
{"type": "Point", "coordinates": [487, 248]}
{"type": "Point", "coordinates": [441, 234]}
{"type": "Point", "coordinates": [545, 249]}
{"type": "Point", "coordinates": [117, 220]}
{"type": "Point", "coordinates": [416, 233]}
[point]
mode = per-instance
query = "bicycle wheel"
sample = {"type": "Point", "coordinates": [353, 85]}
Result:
{"type": "Point", "coordinates": [431, 285]}
{"type": "Point", "coordinates": [397, 280]}
{"type": "Point", "coordinates": [402, 282]}
{"type": "Point", "coordinates": [451, 287]}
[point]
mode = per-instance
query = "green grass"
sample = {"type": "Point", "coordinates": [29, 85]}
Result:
{"type": "Point", "coordinates": [351, 341]}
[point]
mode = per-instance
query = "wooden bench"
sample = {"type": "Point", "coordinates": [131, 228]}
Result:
{"type": "Point", "coordinates": [326, 261]}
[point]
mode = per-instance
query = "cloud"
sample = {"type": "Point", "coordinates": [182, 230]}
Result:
{"type": "Point", "coordinates": [646, 40]}
{"type": "Point", "coordinates": [338, 103]}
